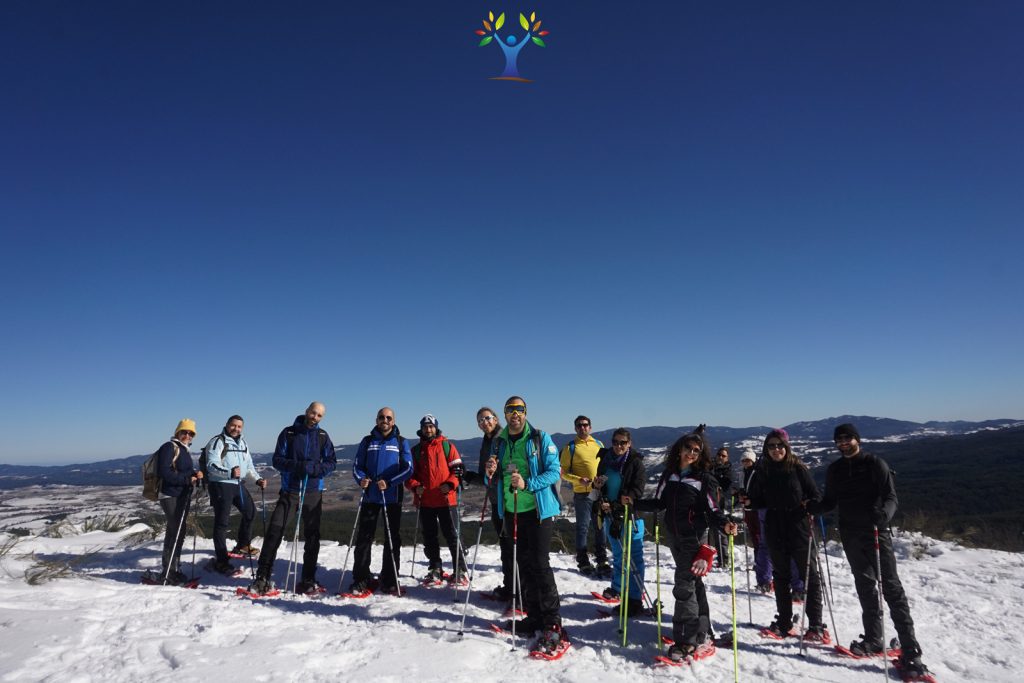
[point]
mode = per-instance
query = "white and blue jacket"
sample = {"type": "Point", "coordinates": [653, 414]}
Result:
{"type": "Point", "coordinates": [223, 454]}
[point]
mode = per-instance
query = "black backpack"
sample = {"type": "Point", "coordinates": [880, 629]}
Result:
{"type": "Point", "coordinates": [204, 458]}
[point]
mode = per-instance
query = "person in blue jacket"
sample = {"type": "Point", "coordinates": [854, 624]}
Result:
{"type": "Point", "coordinates": [304, 455]}
{"type": "Point", "coordinates": [382, 464]}
{"type": "Point", "coordinates": [524, 468]}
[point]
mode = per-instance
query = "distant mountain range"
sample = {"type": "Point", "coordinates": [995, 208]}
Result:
{"type": "Point", "coordinates": [812, 437]}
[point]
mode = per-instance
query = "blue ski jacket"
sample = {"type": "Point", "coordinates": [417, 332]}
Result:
{"type": "Point", "coordinates": [303, 454]}
{"type": "Point", "coordinates": [388, 458]}
{"type": "Point", "coordinates": [545, 471]}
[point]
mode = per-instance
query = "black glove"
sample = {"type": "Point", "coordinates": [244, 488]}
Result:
{"type": "Point", "coordinates": [879, 517]}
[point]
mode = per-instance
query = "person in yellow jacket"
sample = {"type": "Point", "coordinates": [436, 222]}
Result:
{"type": "Point", "coordinates": [579, 467]}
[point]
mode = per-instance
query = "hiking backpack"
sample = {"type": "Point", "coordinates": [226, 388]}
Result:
{"type": "Point", "coordinates": [151, 481]}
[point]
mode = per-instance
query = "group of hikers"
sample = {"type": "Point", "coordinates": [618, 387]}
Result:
{"type": "Point", "coordinates": [522, 470]}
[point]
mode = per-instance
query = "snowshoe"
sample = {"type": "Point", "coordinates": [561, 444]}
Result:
{"type": "Point", "coordinates": [551, 644]}
{"type": "Point", "coordinates": [359, 590]}
{"type": "Point", "coordinates": [241, 552]}
{"type": "Point", "coordinates": [156, 578]}
{"type": "Point", "coordinates": [776, 631]}
{"type": "Point", "coordinates": [435, 577]}
{"type": "Point", "coordinates": [818, 634]}
{"type": "Point", "coordinates": [679, 655]}
{"type": "Point", "coordinates": [609, 596]}
{"type": "Point", "coordinates": [311, 588]}
{"type": "Point", "coordinates": [224, 568]}
{"type": "Point", "coordinates": [863, 649]}
{"type": "Point", "coordinates": [260, 588]}
{"type": "Point", "coordinates": [911, 668]}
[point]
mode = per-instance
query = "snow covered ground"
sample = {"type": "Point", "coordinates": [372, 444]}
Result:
{"type": "Point", "coordinates": [101, 624]}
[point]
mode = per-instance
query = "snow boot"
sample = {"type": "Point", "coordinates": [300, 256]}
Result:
{"type": "Point", "coordinates": [248, 550]}
{"type": "Point", "coordinates": [680, 652]}
{"type": "Point", "coordinates": [865, 647]}
{"type": "Point", "coordinates": [610, 594]}
{"type": "Point", "coordinates": [779, 630]}
{"type": "Point", "coordinates": [818, 634]}
{"type": "Point", "coordinates": [583, 563]}
{"type": "Point", "coordinates": [550, 641]}
{"type": "Point", "coordinates": [261, 586]}
{"type": "Point", "coordinates": [309, 588]}
{"type": "Point", "coordinates": [910, 664]}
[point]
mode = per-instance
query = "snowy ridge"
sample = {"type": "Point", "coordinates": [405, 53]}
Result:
{"type": "Point", "coordinates": [102, 624]}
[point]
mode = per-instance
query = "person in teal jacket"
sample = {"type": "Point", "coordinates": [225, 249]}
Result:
{"type": "Point", "coordinates": [524, 468]}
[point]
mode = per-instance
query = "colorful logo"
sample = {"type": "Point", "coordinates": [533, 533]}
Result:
{"type": "Point", "coordinates": [509, 45]}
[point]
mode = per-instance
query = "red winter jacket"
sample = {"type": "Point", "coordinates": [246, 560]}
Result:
{"type": "Point", "coordinates": [430, 469]}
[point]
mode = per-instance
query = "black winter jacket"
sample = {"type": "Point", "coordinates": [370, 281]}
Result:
{"type": "Point", "coordinates": [864, 490]}
{"type": "Point", "coordinates": [689, 503]}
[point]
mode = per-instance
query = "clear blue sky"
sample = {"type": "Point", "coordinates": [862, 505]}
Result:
{"type": "Point", "coordinates": [736, 213]}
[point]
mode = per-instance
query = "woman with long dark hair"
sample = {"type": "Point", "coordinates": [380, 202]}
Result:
{"type": "Point", "coordinates": [687, 494]}
{"type": "Point", "coordinates": [782, 485]}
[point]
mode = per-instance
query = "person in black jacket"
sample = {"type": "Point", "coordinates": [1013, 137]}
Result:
{"type": "Point", "coordinates": [686, 492]}
{"type": "Point", "coordinates": [178, 477]}
{"type": "Point", "coordinates": [782, 486]}
{"type": "Point", "coordinates": [863, 488]}
{"type": "Point", "coordinates": [723, 475]}
{"type": "Point", "coordinates": [621, 477]}
{"type": "Point", "coordinates": [490, 425]}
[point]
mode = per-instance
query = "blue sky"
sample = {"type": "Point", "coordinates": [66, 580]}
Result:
{"type": "Point", "coordinates": [736, 213]}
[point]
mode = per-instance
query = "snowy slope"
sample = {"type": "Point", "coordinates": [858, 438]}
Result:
{"type": "Point", "coordinates": [101, 624]}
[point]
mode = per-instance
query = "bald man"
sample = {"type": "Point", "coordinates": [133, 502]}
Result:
{"type": "Point", "coordinates": [304, 456]}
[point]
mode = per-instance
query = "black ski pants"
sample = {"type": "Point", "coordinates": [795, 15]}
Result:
{"type": "Point", "coordinates": [223, 496]}
{"type": "Point", "coordinates": [281, 520]}
{"type": "Point", "coordinates": [532, 537]}
{"type": "Point", "coordinates": [175, 512]}
{"type": "Point", "coordinates": [432, 519]}
{"type": "Point", "coordinates": [788, 536]}
{"type": "Point", "coordinates": [691, 615]}
{"type": "Point", "coordinates": [368, 517]}
{"type": "Point", "coordinates": [505, 544]}
{"type": "Point", "coordinates": [859, 545]}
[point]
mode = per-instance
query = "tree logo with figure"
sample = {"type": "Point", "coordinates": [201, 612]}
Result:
{"type": "Point", "coordinates": [510, 45]}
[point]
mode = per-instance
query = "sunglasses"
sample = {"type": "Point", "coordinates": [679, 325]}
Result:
{"type": "Point", "coordinates": [582, 424]}
{"type": "Point", "coordinates": [385, 418]}
{"type": "Point", "coordinates": [692, 450]}
{"type": "Point", "coordinates": [509, 410]}
{"type": "Point", "coordinates": [488, 418]}
{"type": "Point", "coordinates": [776, 445]}
{"type": "Point", "coordinates": [620, 443]}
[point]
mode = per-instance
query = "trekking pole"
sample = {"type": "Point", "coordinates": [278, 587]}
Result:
{"type": "Point", "coordinates": [807, 585]}
{"type": "Point", "coordinates": [881, 602]}
{"type": "Point", "coordinates": [174, 548]}
{"type": "Point", "coordinates": [461, 561]}
{"type": "Point", "coordinates": [241, 500]}
{"type": "Point", "coordinates": [657, 576]}
{"type": "Point", "coordinates": [735, 642]}
{"type": "Point", "coordinates": [195, 527]}
{"type": "Point", "coordinates": [263, 511]}
{"type": "Point", "coordinates": [828, 569]}
{"type": "Point", "coordinates": [415, 535]}
{"type": "Point", "coordinates": [515, 560]}
{"type": "Point", "coordinates": [293, 557]}
{"type": "Point", "coordinates": [828, 601]}
{"type": "Point", "coordinates": [628, 555]}
{"type": "Point", "coordinates": [391, 543]}
{"type": "Point", "coordinates": [746, 567]}
{"type": "Point", "coordinates": [472, 571]}
{"type": "Point", "coordinates": [351, 540]}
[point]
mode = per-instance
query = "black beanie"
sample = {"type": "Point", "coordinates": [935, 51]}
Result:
{"type": "Point", "coordinates": [846, 429]}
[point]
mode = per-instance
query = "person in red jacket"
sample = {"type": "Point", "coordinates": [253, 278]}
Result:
{"type": "Point", "coordinates": [437, 466]}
